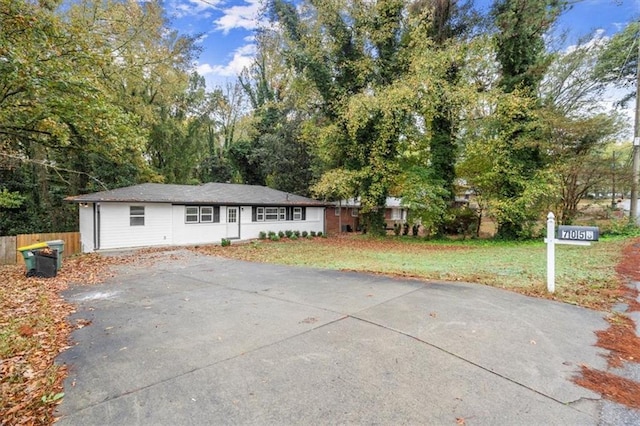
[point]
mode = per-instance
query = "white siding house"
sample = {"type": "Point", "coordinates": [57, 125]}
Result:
{"type": "Point", "coordinates": [163, 215]}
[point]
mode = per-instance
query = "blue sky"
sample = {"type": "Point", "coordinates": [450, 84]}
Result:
{"type": "Point", "coordinates": [227, 28]}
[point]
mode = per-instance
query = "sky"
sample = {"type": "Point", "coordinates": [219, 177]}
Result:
{"type": "Point", "coordinates": [227, 27]}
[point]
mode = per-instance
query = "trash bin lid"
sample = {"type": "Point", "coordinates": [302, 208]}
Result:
{"type": "Point", "coordinates": [56, 242]}
{"type": "Point", "coordinates": [33, 246]}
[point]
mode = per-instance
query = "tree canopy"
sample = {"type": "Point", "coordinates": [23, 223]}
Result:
{"type": "Point", "coordinates": [421, 100]}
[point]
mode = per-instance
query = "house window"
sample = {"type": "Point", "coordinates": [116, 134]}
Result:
{"type": "Point", "coordinates": [202, 214]}
{"type": "Point", "coordinates": [136, 215]}
{"type": "Point", "coordinates": [354, 212]}
{"type": "Point", "coordinates": [337, 211]}
{"type": "Point", "coordinates": [206, 214]}
{"type": "Point", "coordinates": [191, 214]}
{"type": "Point", "coordinates": [271, 213]}
{"type": "Point", "coordinates": [277, 214]}
{"type": "Point", "coordinates": [396, 214]}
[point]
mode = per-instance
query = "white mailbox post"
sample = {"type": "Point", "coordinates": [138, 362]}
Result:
{"type": "Point", "coordinates": [572, 235]}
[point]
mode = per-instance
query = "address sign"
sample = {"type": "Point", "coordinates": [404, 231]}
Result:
{"type": "Point", "coordinates": [578, 233]}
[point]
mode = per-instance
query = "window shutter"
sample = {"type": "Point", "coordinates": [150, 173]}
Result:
{"type": "Point", "coordinates": [253, 214]}
{"type": "Point", "coordinates": [289, 213]}
{"type": "Point", "coordinates": [216, 214]}
{"type": "Point", "coordinates": [304, 213]}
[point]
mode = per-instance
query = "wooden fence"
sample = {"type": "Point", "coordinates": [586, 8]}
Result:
{"type": "Point", "coordinates": [9, 253]}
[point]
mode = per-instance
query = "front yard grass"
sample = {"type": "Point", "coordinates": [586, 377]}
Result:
{"type": "Point", "coordinates": [585, 276]}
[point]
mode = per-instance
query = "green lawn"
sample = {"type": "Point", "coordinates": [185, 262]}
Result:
{"type": "Point", "coordinates": [584, 275]}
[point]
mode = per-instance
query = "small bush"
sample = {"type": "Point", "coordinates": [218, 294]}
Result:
{"type": "Point", "coordinates": [262, 235]}
{"type": "Point", "coordinates": [415, 229]}
{"type": "Point", "coordinates": [274, 237]}
{"type": "Point", "coordinates": [396, 228]}
{"type": "Point", "coordinates": [225, 242]}
{"type": "Point", "coordinates": [288, 233]}
{"type": "Point", "coordinates": [312, 233]}
{"type": "Point", "coordinates": [304, 234]}
{"type": "Point", "coordinates": [320, 234]}
{"type": "Point", "coordinates": [294, 237]}
{"type": "Point", "coordinates": [405, 228]}
{"type": "Point", "coordinates": [620, 227]}
{"type": "Point", "coordinates": [460, 221]}
{"type": "Point", "coordinates": [296, 233]}
{"type": "Point", "coordinates": [270, 234]}
{"type": "Point", "coordinates": [281, 234]}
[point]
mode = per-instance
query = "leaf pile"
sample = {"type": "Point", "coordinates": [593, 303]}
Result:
{"type": "Point", "coordinates": [33, 331]}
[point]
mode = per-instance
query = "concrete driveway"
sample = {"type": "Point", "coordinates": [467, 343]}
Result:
{"type": "Point", "coordinates": [193, 339]}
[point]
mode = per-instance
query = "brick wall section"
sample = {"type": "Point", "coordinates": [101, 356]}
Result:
{"type": "Point", "coordinates": [333, 221]}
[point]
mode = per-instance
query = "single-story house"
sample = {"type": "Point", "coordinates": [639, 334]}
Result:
{"type": "Point", "coordinates": [153, 214]}
{"type": "Point", "coordinates": [344, 215]}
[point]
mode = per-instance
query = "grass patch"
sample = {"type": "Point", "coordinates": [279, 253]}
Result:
{"type": "Point", "coordinates": [584, 275]}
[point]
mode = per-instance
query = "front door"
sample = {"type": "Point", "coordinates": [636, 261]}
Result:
{"type": "Point", "coordinates": [233, 222]}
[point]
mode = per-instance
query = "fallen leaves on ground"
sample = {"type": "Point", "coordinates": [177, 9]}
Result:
{"type": "Point", "coordinates": [620, 339]}
{"type": "Point", "coordinates": [610, 386]}
{"type": "Point", "coordinates": [33, 331]}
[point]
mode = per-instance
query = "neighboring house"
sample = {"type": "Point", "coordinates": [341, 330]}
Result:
{"type": "Point", "coordinates": [344, 215]}
{"type": "Point", "coordinates": [153, 214]}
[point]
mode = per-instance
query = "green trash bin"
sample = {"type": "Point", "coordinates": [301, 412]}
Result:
{"type": "Point", "coordinates": [28, 256]}
{"type": "Point", "coordinates": [57, 245]}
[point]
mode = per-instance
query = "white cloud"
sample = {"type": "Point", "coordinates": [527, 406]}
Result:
{"type": "Point", "coordinates": [184, 8]}
{"type": "Point", "coordinates": [242, 57]}
{"type": "Point", "coordinates": [240, 16]}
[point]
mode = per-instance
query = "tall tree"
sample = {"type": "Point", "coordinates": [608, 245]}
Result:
{"type": "Point", "coordinates": [520, 51]}
{"type": "Point", "coordinates": [80, 89]}
{"type": "Point", "coordinates": [449, 23]}
{"type": "Point", "coordinates": [353, 54]}
{"type": "Point", "coordinates": [618, 62]}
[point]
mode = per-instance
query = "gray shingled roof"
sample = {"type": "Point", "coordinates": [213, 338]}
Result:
{"type": "Point", "coordinates": [208, 193]}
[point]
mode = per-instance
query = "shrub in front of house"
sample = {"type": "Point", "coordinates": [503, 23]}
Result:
{"type": "Point", "coordinates": [294, 237]}
{"type": "Point", "coordinates": [270, 234]}
{"type": "Point", "coordinates": [274, 237]}
{"type": "Point", "coordinates": [396, 228]}
{"type": "Point", "coordinates": [296, 233]}
{"type": "Point", "coordinates": [281, 234]}
{"type": "Point", "coordinates": [262, 235]}
{"type": "Point", "coordinates": [320, 234]}
{"type": "Point", "coordinates": [313, 233]}
{"type": "Point", "coordinates": [304, 234]}
{"type": "Point", "coordinates": [225, 242]}
{"type": "Point", "coordinates": [288, 233]}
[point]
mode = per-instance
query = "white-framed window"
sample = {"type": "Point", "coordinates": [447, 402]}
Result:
{"type": "Point", "coordinates": [136, 215]}
{"type": "Point", "coordinates": [277, 214]}
{"type": "Point", "coordinates": [337, 211]}
{"type": "Point", "coordinates": [271, 213]}
{"type": "Point", "coordinates": [354, 212]}
{"type": "Point", "coordinates": [202, 214]}
{"type": "Point", "coordinates": [191, 214]}
{"type": "Point", "coordinates": [396, 214]}
{"type": "Point", "coordinates": [206, 214]}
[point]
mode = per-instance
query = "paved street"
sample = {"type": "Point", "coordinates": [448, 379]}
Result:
{"type": "Point", "coordinates": [194, 339]}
